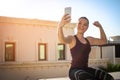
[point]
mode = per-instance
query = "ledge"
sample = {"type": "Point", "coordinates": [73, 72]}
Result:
{"type": "Point", "coordinates": [33, 64]}
{"type": "Point", "coordinates": [92, 63]}
{"type": "Point", "coordinates": [116, 75]}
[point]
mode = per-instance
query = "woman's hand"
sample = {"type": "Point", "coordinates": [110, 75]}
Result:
{"type": "Point", "coordinates": [97, 24]}
{"type": "Point", "coordinates": [65, 19]}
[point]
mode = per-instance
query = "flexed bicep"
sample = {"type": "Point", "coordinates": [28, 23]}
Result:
{"type": "Point", "coordinates": [95, 41]}
{"type": "Point", "coordinates": [98, 41]}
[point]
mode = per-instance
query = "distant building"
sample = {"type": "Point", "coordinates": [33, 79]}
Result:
{"type": "Point", "coordinates": [112, 50]}
{"type": "Point", "coordinates": [114, 39]}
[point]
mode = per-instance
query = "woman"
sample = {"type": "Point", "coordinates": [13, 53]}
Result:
{"type": "Point", "coordinates": [80, 48]}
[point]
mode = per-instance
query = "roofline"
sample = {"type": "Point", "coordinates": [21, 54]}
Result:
{"type": "Point", "coordinates": [34, 22]}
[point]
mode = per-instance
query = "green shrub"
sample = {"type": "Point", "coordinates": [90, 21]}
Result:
{"type": "Point", "coordinates": [111, 67]}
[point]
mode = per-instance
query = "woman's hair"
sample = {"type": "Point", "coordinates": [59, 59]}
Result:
{"type": "Point", "coordinates": [84, 18]}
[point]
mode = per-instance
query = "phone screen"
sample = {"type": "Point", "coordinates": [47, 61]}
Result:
{"type": "Point", "coordinates": [68, 10]}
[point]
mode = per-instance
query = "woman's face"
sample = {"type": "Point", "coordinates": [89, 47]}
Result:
{"type": "Point", "coordinates": [82, 26]}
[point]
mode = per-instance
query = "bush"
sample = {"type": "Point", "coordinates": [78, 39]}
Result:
{"type": "Point", "coordinates": [111, 67]}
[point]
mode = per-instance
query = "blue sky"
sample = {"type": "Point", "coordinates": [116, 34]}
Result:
{"type": "Point", "coordinates": [107, 12]}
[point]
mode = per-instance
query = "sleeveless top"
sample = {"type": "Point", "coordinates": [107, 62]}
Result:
{"type": "Point", "coordinates": [80, 54]}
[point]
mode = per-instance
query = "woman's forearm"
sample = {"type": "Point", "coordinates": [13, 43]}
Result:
{"type": "Point", "coordinates": [61, 34]}
{"type": "Point", "coordinates": [65, 19]}
{"type": "Point", "coordinates": [102, 35]}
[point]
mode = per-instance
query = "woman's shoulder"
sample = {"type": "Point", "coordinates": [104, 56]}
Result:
{"type": "Point", "coordinates": [89, 38]}
{"type": "Point", "coordinates": [72, 36]}
{"type": "Point", "coordinates": [73, 42]}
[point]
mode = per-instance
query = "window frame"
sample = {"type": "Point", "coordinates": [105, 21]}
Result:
{"type": "Point", "coordinates": [45, 50]}
{"type": "Point", "coordinates": [14, 49]}
{"type": "Point", "coordinates": [64, 55]}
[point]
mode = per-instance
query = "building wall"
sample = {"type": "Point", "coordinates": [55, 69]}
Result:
{"type": "Point", "coordinates": [40, 70]}
{"type": "Point", "coordinates": [109, 52]}
{"type": "Point", "coordinates": [27, 33]}
{"type": "Point", "coordinates": [95, 53]}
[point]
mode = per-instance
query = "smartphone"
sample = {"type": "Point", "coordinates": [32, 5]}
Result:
{"type": "Point", "coordinates": [68, 10]}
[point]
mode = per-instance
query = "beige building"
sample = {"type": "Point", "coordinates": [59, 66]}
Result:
{"type": "Point", "coordinates": [29, 49]}
{"type": "Point", "coordinates": [27, 37]}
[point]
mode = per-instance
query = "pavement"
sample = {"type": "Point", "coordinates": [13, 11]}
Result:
{"type": "Point", "coordinates": [63, 78]}
{"type": "Point", "coordinates": [116, 76]}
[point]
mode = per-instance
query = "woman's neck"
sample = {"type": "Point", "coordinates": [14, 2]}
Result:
{"type": "Point", "coordinates": [80, 36]}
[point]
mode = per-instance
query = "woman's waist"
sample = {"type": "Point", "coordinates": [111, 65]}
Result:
{"type": "Point", "coordinates": [79, 65]}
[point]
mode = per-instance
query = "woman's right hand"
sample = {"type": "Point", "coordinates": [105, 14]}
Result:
{"type": "Point", "coordinates": [65, 19]}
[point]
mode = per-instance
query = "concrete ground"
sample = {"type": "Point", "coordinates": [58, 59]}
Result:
{"type": "Point", "coordinates": [63, 78]}
{"type": "Point", "coordinates": [116, 76]}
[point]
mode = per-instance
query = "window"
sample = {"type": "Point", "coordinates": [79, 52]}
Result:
{"type": "Point", "coordinates": [42, 51]}
{"type": "Point", "coordinates": [61, 51]}
{"type": "Point", "coordinates": [9, 51]}
{"type": "Point", "coordinates": [117, 51]}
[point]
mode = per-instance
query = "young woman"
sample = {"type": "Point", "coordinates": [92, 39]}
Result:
{"type": "Point", "coordinates": [80, 48]}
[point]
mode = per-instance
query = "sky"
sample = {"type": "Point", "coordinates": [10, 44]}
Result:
{"type": "Point", "coordinates": [107, 12]}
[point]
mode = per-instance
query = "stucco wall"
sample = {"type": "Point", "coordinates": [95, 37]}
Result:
{"type": "Point", "coordinates": [40, 70]}
{"type": "Point", "coordinates": [27, 33]}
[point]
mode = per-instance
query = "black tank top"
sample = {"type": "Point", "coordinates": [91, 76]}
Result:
{"type": "Point", "coordinates": [80, 54]}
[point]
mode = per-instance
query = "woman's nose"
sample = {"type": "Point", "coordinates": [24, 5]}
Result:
{"type": "Point", "coordinates": [82, 26]}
